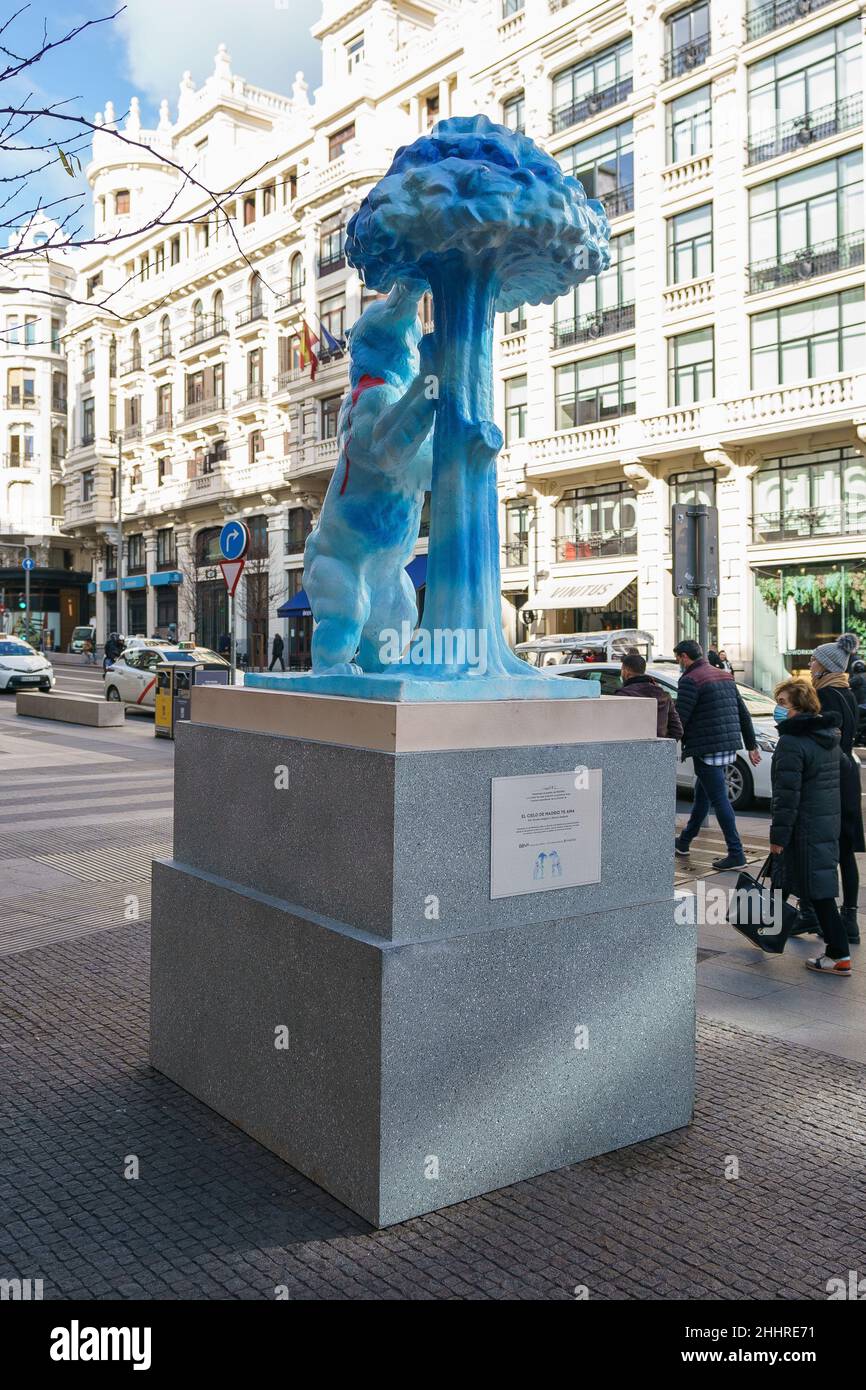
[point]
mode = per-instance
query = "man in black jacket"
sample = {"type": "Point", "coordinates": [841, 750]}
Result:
{"type": "Point", "coordinates": [715, 724]}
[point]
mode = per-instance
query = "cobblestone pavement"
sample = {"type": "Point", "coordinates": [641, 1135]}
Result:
{"type": "Point", "coordinates": [214, 1215]}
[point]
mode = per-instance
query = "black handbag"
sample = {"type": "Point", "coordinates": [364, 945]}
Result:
{"type": "Point", "coordinates": [758, 909]}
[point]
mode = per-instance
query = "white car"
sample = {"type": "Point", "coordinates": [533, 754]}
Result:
{"type": "Point", "coordinates": [131, 678]}
{"type": "Point", "coordinates": [744, 781]}
{"type": "Point", "coordinates": [22, 667]}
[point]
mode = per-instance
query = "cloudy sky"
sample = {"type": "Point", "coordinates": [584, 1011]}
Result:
{"type": "Point", "coordinates": [144, 50]}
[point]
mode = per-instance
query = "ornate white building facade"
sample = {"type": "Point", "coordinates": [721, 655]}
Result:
{"type": "Point", "coordinates": [720, 359]}
{"type": "Point", "coordinates": [33, 405]}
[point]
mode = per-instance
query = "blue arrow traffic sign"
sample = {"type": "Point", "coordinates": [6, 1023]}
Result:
{"type": "Point", "coordinates": [28, 564]}
{"type": "Point", "coordinates": [234, 540]}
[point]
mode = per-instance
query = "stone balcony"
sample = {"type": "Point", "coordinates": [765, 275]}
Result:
{"type": "Point", "coordinates": [693, 294]}
{"type": "Point", "coordinates": [678, 178]}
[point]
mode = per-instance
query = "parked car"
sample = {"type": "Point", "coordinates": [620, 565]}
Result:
{"type": "Point", "coordinates": [80, 635]}
{"type": "Point", "coordinates": [567, 648]}
{"type": "Point", "coordinates": [22, 667]}
{"type": "Point", "coordinates": [745, 782]}
{"type": "Point", "coordinates": [131, 679]}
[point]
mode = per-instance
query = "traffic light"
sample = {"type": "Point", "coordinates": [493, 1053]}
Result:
{"type": "Point", "coordinates": [22, 603]}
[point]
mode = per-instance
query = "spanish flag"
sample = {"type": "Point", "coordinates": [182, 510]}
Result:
{"type": "Point", "coordinates": [308, 339]}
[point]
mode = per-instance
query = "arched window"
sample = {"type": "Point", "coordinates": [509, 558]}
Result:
{"type": "Point", "coordinates": [255, 294]}
{"type": "Point", "coordinates": [296, 277]}
{"type": "Point", "coordinates": [218, 308]}
{"type": "Point", "coordinates": [165, 335]}
{"type": "Point", "coordinates": [112, 356]}
{"type": "Point", "coordinates": [135, 345]}
{"type": "Point", "coordinates": [197, 317]}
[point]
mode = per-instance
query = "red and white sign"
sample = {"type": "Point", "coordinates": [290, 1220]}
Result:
{"type": "Point", "coordinates": [232, 571]}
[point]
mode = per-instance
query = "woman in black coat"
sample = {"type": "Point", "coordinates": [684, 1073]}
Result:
{"type": "Point", "coordinates": [830, 679]}
{"type": "Point", "coordinates": [806, 815]}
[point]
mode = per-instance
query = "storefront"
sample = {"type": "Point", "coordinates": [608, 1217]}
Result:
{"type": "Point", "coordinates": [58, 603]}
{"type": "Point", "coordinates": [593, 603]}
{"type": "Point", "coordinates": [135, 595]}
{"type": "Point", "coordinates": [166, 583]}
{"type": "Point", "coordinates": [797, 607]}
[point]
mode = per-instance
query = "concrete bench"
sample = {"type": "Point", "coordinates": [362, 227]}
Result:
{"type": "Point", "coordinates": [70, 709]}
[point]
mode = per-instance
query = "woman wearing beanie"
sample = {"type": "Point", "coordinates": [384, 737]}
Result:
{"type": "Point", "coordinates": [806, 814]}
{"type": "Point", "coordinates": [829, 668]}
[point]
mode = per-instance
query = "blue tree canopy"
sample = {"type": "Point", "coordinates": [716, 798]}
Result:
{"type": "Point", "coordinates": [475, 189]}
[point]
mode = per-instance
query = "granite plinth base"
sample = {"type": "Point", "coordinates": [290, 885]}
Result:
{"type": "Point", "coordinates": [401, 1055]}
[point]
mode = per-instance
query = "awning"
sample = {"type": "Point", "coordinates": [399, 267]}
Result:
{"type": "Point", "coordinates": [595, 592]}
{"type": "Point", "coordinates": [298, 606]}
{"type": "Point", "coordinates": [165, 577]}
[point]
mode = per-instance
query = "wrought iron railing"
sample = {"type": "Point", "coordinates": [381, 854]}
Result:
{"type": "Point", "coordinates": [327, 264]}
{"type": "Point", "coordinates": [805, 264]}
{"type": "Point", "coordinates": [132, 364]}
{"type": "Point", "coordinates": [839, 519]}
{"type": "Point", "coordinates": [592, 545]}
{"type": "Point", "coordinates": [585, 107]}
{"type": "Point", "coordinates": [161, 423]}
{"type": "Point", "coordinates": [194, 410]}
{"type": "Point", "coordinates": [211, 328]}
{"type": "Point", "coordinates": [253, 391]}
{"type": "Point", "coordinates": [600, 324]}
{"type": "Point", "coordinates": [287, 301]}
{"type": "Point", "coordinates": [514, 554]}
{"type": "Point", "coordinates": [619, 200]}
{"type": "Point", "coordinates": [806, 129]}
{"type": "Point", "coordinates": [162, 352]}
{"type": "Point", "coordinates": [250, 315]}
{"type": "Point", "coordinates": [763, 19]}
{"type": "Point", "coordinates": [688, 56]}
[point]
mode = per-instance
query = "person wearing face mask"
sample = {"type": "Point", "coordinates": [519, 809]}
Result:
{"type": "Point", "coordinates": [806, 815]}
{"type": "Point", "coordinates": [828, 668]}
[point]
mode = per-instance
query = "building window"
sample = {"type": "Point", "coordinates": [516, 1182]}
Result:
{"type": "Point", "coordinates": [30, 323]}
{"type": "Point", "coordinates": [159, 259]}
{"type": "Point", "coordinates": [514, 112]}
{"type": "Point", "coordinates": [604, 164]}
{"type": "Point", "coordinates": [339, 140]}
{"type": "Point", "coordinates": [603, 304]}
{"type": "Point", "coordinates": [431, 110]}
{"type": "Point", "coordinates": [580, 92]}
{"type": "Point", "coordinates": [518, 516]}
{"type": "Point", "coordinates": [163, 470]}
{"type": "Point", "coordinates": [88, 418]}
{"type": "Point", "coordinates": [87, 485]}
{"type": "Point", "coordinates": [807, 223]}
{"type": "Point", "coordinates": [510, 7]}
{"type": "Point", "coordinates": [515, 409]}
{"type": "Point", "coordinates": [330, 416]}
{"type": "Point", "coordinates": [332, 315]}
{"type": "Point", "coordinates": [12, 328]}
{"type": "Point", "coordinates": [806, 92]}
{"type": "Point", "coordinates": [513, 320]}
{"type": "Point", "coordinates": [121, 202]}
{"type": "Point", "coordinates": [816, 494]}
{"type": "Point", "coordinates": [249, 207]}
{"type": "Point", "coordinates": [696, 489]}
{"type": "Point", "coordinates": [816, 338]}
{"type": "Point", "coordinates": [689, 125]}
{"type": "Point", "coordinates": [256, 444]}
{"type": "Point", "coordinates": [331, 245]}
{"type": "Point", "coordinates": [135, 554]}
{"type": "Point", "coordinates": [300, 524]}
{"type": "Point", "coordinates": [55, 335]}
{"type": "Point", "coordinates": [175, 250]}
{"type": "Point", "coordinates": [690, 244]}
{"type": "Point", "coordinates": [166, 550]}
{"type": "Point", "coordinates": [269, 198]}
{"type": "Point", "coordinates": [687, 39]}
{"type": "Point", "coordinates": [595, 521]}
{"type": "Point", "coordinates": [354, 52]}
{"type": "Point", "coordinates": [296, 278]}
{"type": "Point", "coordinates": [691, 376]}
{"type": "Point", "coordinates": [256, 305]}
{"type": "Point", "coordinates": [596, 389]}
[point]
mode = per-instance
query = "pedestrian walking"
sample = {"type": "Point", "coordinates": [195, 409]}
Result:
{"type": "Point", "coordinates": [723, 660]}
{"type": "Point", "coordinates": [277, 648]}
{"type": "Point", "coordinates": [806, 814]}
{"type": "Point", "coordinates": [636, 682]}
{"type": "Point", "coordinates": [89, 649]}
{"type": "Point", "coordinates": [830, 679]}
{"type": "Point", "coordinates": [112, 650]}
{"type": "Point", "coordinates": [715, 724]}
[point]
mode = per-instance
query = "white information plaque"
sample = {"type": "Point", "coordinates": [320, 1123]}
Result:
{"type": "Point", "coordinates": [545, 832]}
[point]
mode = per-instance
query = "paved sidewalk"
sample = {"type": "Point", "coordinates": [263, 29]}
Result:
{"type": "Point", "coordinates": [214, 1215]}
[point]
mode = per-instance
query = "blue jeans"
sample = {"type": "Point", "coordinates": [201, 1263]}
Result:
{"type": "Point", "coordinates": [711, 789]}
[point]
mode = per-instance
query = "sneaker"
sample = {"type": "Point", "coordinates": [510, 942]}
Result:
{"type": "Point", "coordinates": [826, 965]}
{"type": "Point", "coordinates": [680, 850]}
{"type": "Point", "coordinates": [730, 861]}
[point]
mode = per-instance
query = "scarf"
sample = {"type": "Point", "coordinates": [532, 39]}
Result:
{"type": "Point", "coordinates": [837, 678]}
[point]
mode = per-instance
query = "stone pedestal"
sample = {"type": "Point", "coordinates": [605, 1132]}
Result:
{"type": "Point", "coordinates": [331, 973]}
